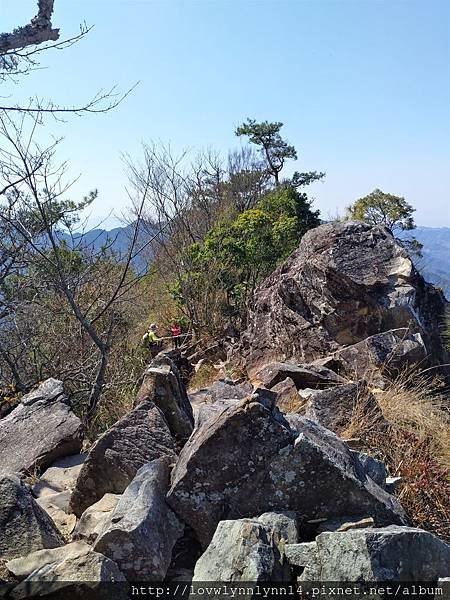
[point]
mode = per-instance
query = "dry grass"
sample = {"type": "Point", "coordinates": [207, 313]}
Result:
{"type": "Point", "coordinates": [114, 404]}
{"type": "Point", "coordinates": [206, 375]}
{"type": "Point", "coordinates": [413, 439]}
{"type": "Point", "coordinates": [419, 406]}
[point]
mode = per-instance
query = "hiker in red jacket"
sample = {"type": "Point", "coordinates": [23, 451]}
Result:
{"type": "Point", "coordinates": [175, 330]}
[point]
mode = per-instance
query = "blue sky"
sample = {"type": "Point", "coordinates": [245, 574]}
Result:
{"type": "Point", "coordinates": [363, 88]}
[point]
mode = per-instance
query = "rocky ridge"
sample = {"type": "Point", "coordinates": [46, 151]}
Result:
{"type": "Point", "coordinates": [240, 488]}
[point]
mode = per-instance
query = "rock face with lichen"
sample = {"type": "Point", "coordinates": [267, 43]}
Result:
{"type": "Point", "coordinates": [24, 525]}
{"type": "Point", "coordinates": [39, 430]}
{"type": "Point", "coordinates": [388, 554]}
{"type": "Point", "coordinates": [142, 530]}
{"type": "Point", "coordinates": [111, 464]}
{"type": "Point", "coordinates": [247, 460]}
{"type": "Point", "coordinates": [163, 386]}
{"type": "Point", "coordinates": [242, 550]}
{"type": "Point", "coordinates": [346, 282]}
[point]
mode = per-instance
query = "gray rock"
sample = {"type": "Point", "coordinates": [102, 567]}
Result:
{"type": "Point", "coordinates": [392, 351]}
{"type": "Point", "coordinates": [303, 376]}
{"type": "Point", "coordinates": [142, 530]}
{"type": "Point", "coordinates": [211, 410]}
{"type": "Point", "coordinates": [301, 555]}
{"type": "Point", "coordinates": [318, 464]}
{"type": "Point", "coordinates": [57, 507]}
{"type": "Point", "coordinates": [334, 408]}
{"type": "Point", "coordinates": [389, 554]}
{"type": "Point", "coordinates": [39, 430]}
{"type": "Point", "coordinates": [443, 591]}
{"type": "Point", "coordinates": [241, 550]}
{"type": "Point", "coordinates": [375, 469]}
{"type": "Point", "coordinates": [94, 518]}
{"type": "Point", "coordinates": [215, 466]}
{"type": "Point", "coordinates": [345, 523]}
{"type": "Point", "coordinates": [304, 556]}
{"type": "Point", "coordinates": [53, 491]}
{"type": "Point", "coordinates": [247, 461]}
{"type": "Point", "coordinates": [59, 500]}
{"type": "Point", "coordinates": [60, 477]}
{"type": "Point", "coordinates": [295, 421]}
{"type": "Point", "coordinates": [208, 402]}
{"type": "Point", "coordinates": [283, 523]}
{"type": "Point", "coordinates": [162, 385]}
{"type": "Point", "coordinates": [24, 526]}
{"type": "Point", "coordinates": [138, 438]}
{"type": "Point", "coordinates": [288, 398]}
{"type": "Point", "coordinates": [346, 281]}
{"type": "Point", "coordinates": [22, 567]}
{"type": "Point", "coordinates": [227, 389]}
{"type": "Point", "coordinates": [74, 578]}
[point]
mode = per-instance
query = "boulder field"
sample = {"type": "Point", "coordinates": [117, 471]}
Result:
{"type": "Point", "coordinates": [247, 480]}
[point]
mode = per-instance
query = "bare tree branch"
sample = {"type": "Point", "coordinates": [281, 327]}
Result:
{"type": "Point", "coordinates": [39, 31]}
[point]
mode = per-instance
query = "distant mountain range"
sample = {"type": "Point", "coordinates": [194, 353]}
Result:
{"type": "Point", "coordinates": [434, 265]}
{"type": "Point", "coordinates": [116, 240]}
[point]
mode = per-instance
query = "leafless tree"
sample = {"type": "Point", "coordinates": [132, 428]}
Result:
{"type": "Point", "coordinates": [248, 178]}
{"type": "Point", "coordinates": [33, 214]}
{"type": "Point", "coordinates": [185, 199]}
{"type": "Point", "coordinates": [20, 52]}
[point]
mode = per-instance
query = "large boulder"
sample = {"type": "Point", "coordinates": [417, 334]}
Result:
{"type": "Point", "coordinates": [39, 430]}
{"type": "Point", "coordinates": [283, 523]}
{"type": "Point", "coordinates": [23, 567]}
{"type": "Point", "coordinates": [373, 468]}
{"type": "Point", "coordinates": [24, 526]}
{"type": "Point", "coordinates": [346, 281]}
{"type": "Point", "coordinates": [227, 389]}
{"type": "Point", "coordinates": [288, 398]}
{"type": "Point", "coordinates": [218, 460]}
{"type": "Point", "coordinates": [220, 395]}
{"type": "Point", "coordinates": [303, 376]}
{"type": "Point", "coordinates": [303, 558]}
{"type": "Point", "coordinates": [60, 477]}
{"type": "Point", "coordinates": [138, 438]}
{"type": "Point", "coordinates": [335, 407]}
{"type": "Point", "coordinates": [162, 385]}
{"type": "Point", "coordinates": [142, 530]}
{"type": "Point", "coordinates": [94, 518]}
{"type": "Point", "coordinates": [248, 461]}
{"type": "Point", "coordinates": [88, 576]}
{"type": "Point", "coordinates": [207, 411]}
{"type": "Point", "coordinates": [390, 351]}
{"type": "Point", "coordinates": [388, 554]}
{"type": "Point", "coordinates": [241, 550]}
{"type": "Point", "coordinates": [57, 507]}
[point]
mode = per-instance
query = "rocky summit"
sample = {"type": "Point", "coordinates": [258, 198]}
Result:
{"type": "Point", "coordinates": [345, 283]}
{"type": "Point", "coordinates": [256, 476]}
